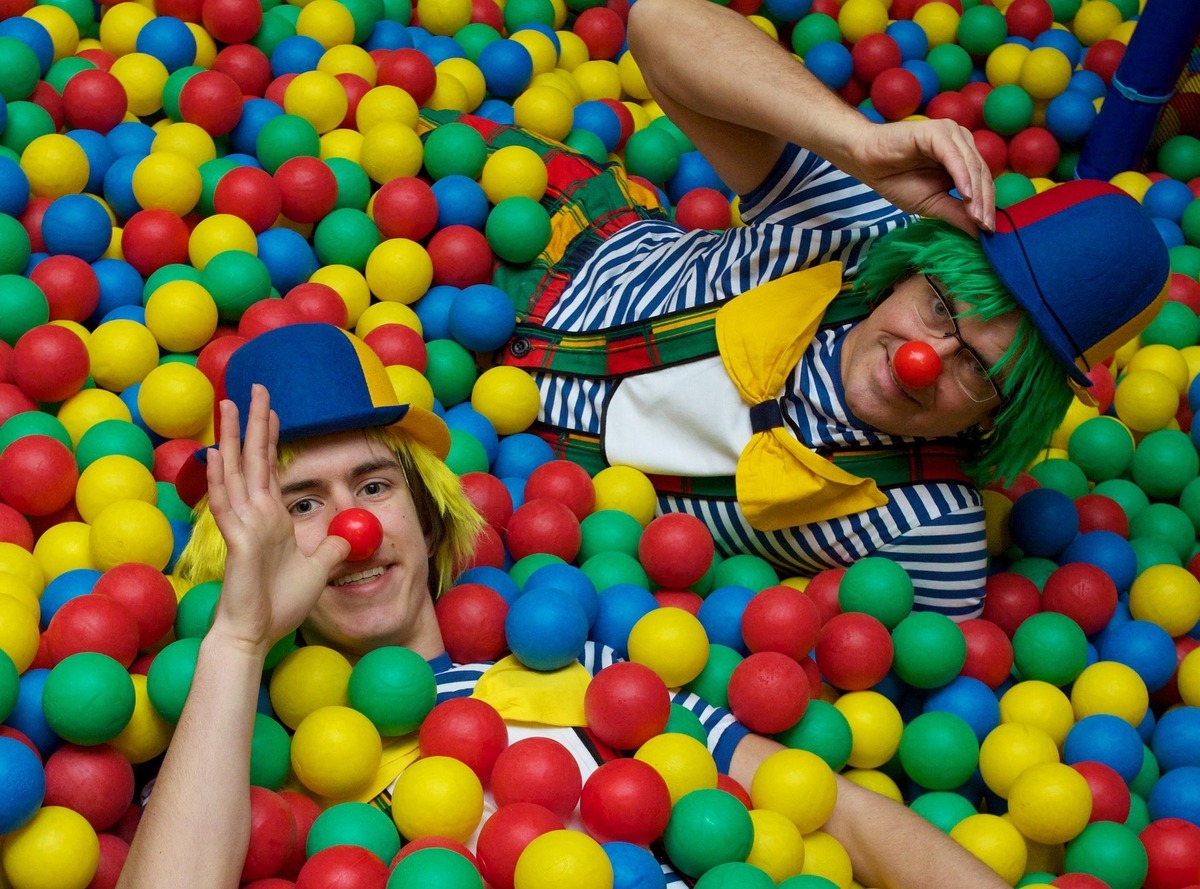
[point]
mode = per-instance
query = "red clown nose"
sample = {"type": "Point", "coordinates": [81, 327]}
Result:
{"type": "Point", "coordinates": [917, 365]}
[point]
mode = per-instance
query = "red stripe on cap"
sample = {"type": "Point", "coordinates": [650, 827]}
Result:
{"type": "Point", "coordinates": [1051, 201]}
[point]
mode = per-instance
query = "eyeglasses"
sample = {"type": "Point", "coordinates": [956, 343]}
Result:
{"type": "Point", "coordinates": [970, 371]}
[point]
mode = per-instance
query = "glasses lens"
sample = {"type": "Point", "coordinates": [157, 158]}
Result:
{"type": "Point", "coordinates": [935, 314]}
{"type": "Point", "coordinates": [973, 377]}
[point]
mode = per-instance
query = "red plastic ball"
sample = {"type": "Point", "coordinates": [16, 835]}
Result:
{"type": "Point", "coordinates": [70, 286]}
{"type": "Point", "coordinates": [361, 529]}
{"type": "Point", "coordinates": [398, 344]}
{"type": "Point", "coordinates": [214, 358]}
{"type": "Point", "coordinates": [50, 363]}
{"type": "Point", "coordinates": [93, 623]}
{"type": "Point", "coordinates": [468, 730]}
{"type": "Point", "coordinates": [277, 88]}
{"type": "Point", "coordinates": [15, 528]}
{"type": "Point", "coordinates": [50, 100]}
{"type": "Point", "coordinates": [685, 600]}
{"type": "Point", "coordinates": [953, 105]}
{"type": "Point", "coordinates": [405, 207]}
{"type": "Point", "coordinates": [152, 239]}
{"type": "Point", "coordinates": [566, 482]}
{"type": "Point", "coordinates": [735, 789]}
{"type": "Point", "coordinates": [783, 619]}
{"type": "Point", "coordinates": [1023, 483]}
{"type": "Point", "coordinates": [676, 550]}
{"type": "Point", "coordinates": [343, 867]}
{"type": "Point", "coordinates": [97, 782]}
{"type": "Point", "coordinates": [101, 58]}
{"type": "Point", "coordinates": [537, 770]}
{"type": "Point", "coordinates": [823, 590]}
{"type": "Point", "coordinates": [184, 10]}
{"type": "Point", "coordinates": [113, 852]}
{"type": "Point", "coordinates": [318, 303]}
{"type": "Point", "coordinates": [873, 54]}
{"type": "Point", "coordinates": [602, 31]}
{"type": "Point", "coordinates": [504, 836]}
{"type": "Point", "coordinates": [409, 69]}
{"type": "Point", "coordinates": [703, 209]}
{"type": "Point", "coordinates": [1076, 880]}
{"type": "Point", "coordinates": [1083, 592]}
{"type": "Point", "coordinates": [896, 93]}
{"type": "Point", "coordinates": [1184, 289]}
{"type": "Point", "coordinates": [854, 651]}
{"type": "Point", "coordinates": [212, 100]}
{"type": "Point", "coordinates": [627, 801]}
{"type": "Point", "coordinates": [309, 188]}
{"type": "Point", "coordinates": [461, 257]}
{"type": "Point", "coordinates": [305, 810]}
{"type": "Point", "coordinates": [625, 116]}
{"type": "Point", "coordinates": [356, 86]}
{"type": "Point", "coordinates": [989, 652]}
{"type": "Point", "coordinates": [12, 402]}
{"type": "Point", "coordinates": [626, 705]}
{"type": "Point", "coordinates": [490, 497]}
{"type": "Point", "coordinates": [232, 21]}
{"type": "Point", "coordinates": [94, 100]}
{"type": "Point", "coordinates": [487, 12]}
{"type": "Point", "coordinates": [768, 692]}
{"type": "Point", "coordinates": [37, 474]}
{"type": "Point", "coordinates": [435, 842]}
{"type": "Point", "coordinates": [1103, 58]}
{"type": "Point", "coordinates": [250, 194]}
{"type": "Point", "coordinates": [1010, 598]}
{"type": "Point", "coordinates": [267, 314]}
{"type": "Point", "coordinates": [272, 835]}
{"type": "Point", "coordinates": [471, 617]}
{"type": "Point", "coordinates": [489, 550]}
{"type": "Point", "coordinates": [854, 92]}
{"type": "Point", "coordinates": [1033, 152]}
{"type": "Point", "coordinates": [31, 220]}
{"type": "Point", "coordinates": [543, 526]}
{"type": "Point", "coordinates": [146, 593]}
{"type": "Point", "coordinates": [1028, 18]}
{"type": "Point", "coordinates": [1110, 793]}
{"type": "Point", "coordinates": [1100, 513]}
{"type": "Point", "coordinates": [992, 148]}
{"type": "Point", "coordinates": [247, 65]}
{"type": "Point", "coordinates": [1173, 851]}
{"type": "Point", "coordinates": [917, 364]}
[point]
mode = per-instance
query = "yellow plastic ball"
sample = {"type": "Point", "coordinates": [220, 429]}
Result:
{"type": "Point", "coordinates": [1095, 20]}
{"type": "Point", "coordinates": [778, 847]}
{"type": "Point", "coordinates": [168, 181]}
{"type": "Point", "coordinates": [1167, 360]}
{"type": "Point", "coordinates": [308, 679]}
{"type": "Point", "coordinates": [875, 727]}
{"type": "Point", "coordinates": [87, 407]}
{"type": "Point", "coordinates": [996, 842]}
{"type": "Point", "coordinates": [825, 857]}
{"type": "Point", "coordinates": [561, 80]}
{"type": "Point", "coordinates": [1050, 803]}
{"type": "Point", "coordinates": [111, 478]}
{"type": "Point", "coordinates": [120, 25]}
{"type": "Point", "coordinates": [399, 270]}
{"type": "Point", "coordinates": [317, 96]}
{"type": "Point", "coordinates": [996, 509]}
{"type": "Point", "coordinates": [347, 58]}
{"type": "Point", "coordinates": [683, 762]}
{"type": "Point", "coordinates": [1111, 688]}
{"type": "Point", "coordinates": [63, 547]}
{"type": "Point", "coordinates": [19, 632]}
{"type": "Point", "coordinates": [1045, 72]}
{"type": "Point", "coordinates": [327, 22]}
{"type": "Point", "coordinates": [1133, 183]}
{"type": "Point", "coordinates": [572, 51]}
{"type": "Point", "coordinates": [598, 79]}
{"type": "Point", "coordinates": [1166, 595]}
{"type": "Point", "coordinates": [1145, 400]}
{"type": "Point", "coordinates": [858, 18]}
{"type": "Point", "coordinates": [632, 82]}
{"type": "Point", "coordinates": [511, 171]}
{"type": "Point", "coordinates": [545, 111]}
{"type": "Point", "coordinates": [176, 400]}
{"type": "Point", "coordinates": [181, 315]}
{"type": "Point", "coordinates": [671, 642]}
{"type": "Point", "coordinates": [410, 386]}
{"type": "Point", "coordinates": [350, 285]}
{"type": "Point", "coordinates": [131, 531]}
{"type": "Point", "coordinates": [628, 490]}
{"type": "Point", "coordinates": [437, 796]}
{"type": "Point", "coordinates": [55, 165]}
{"type": "Point", "coordinates": [386, 103]}
{"type": "Point", "coordinates": [56, 849]}
{"type": "Point", "coordinates": [468, 74]}
{"type": "Point", "coordinates": [1008, 750]}
{"type": "Point", "coordinates": [876, 782]}
{"type": "Point", "coordinates": [1041, 705]}
{"type": "Point", "coordinates": [147, 734]}
{"type": "Point", "coordinates": [449, 94]}
{"type": "Point", "coordinates": [206, 47]}
{"type": "Point", "coordinates": [391, 149]}
{"type": "Point", "coordinates": [1189, 679]}
{"type": "Point", "coordinates": [121, 352]}
{"type": "Point", "coordinates": [16, 588]}
{"type": "Point", "coordinates": [218, 233]}
{"type": "Point", "coordinates": [186, 139]}
{"type": "Point", "coordinates": [541, 49]}
{"type": "Point", "coordinates": [342, 143]}
{"type": "Point", "coordinates": [1004, 64]}
{"type": "Point", "coordinates": [444, 17]}
{"type": "Point", "coordinates": [20, 563]}
{"type": "Point", "coordinates": [336, 752]}
{"type": "Point", "coordinates": [143, 77]}
{"type": "Point", "coordinates": [797, 784]}
{"type": "Point", "coordinates": [63, 31]}
{"type": "Point", "coordinates": [381, 313]}
{"type": "Point", "coordinates": [508, 397]}
{"type": "Point", "coordinates": [563, 858]}
{"type": "Point", "coordinates": [939, 21]}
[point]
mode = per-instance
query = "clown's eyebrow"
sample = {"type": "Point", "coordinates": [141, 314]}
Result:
{"type": "Point", "coordinates": [307, 484]}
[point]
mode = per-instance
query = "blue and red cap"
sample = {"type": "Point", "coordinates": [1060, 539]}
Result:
{"type": "Point", "coordinates": [1086, 263]}
{"type": "Point", "coordinates": [321, 380]}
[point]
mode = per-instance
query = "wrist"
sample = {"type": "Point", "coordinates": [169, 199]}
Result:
{"type": "Point", "coordinates": [225, 642]}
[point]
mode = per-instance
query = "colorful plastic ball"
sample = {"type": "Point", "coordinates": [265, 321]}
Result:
{"type": "Point", "coordinates": [1084, 593]}
{"type": "Point", "coordinates": [1033, 152]}
{"type": "Point", "coordinates": [1108, 740]}
{"type": "Point", "coordinates": [1146, 400]}
{"type": "Point", "coordinates": [930, 649]}
{"type": "Point", "coordinates": [436, 867]}
{"type": "Point", "coordinates": [472, 616]}
{"type": "Point", "coordinates": [626, 705]}
{"type": "Point", "coordinates": [545, 630]}
{"type": "Point", "coordinates": [707, 827]}
{"type": "Point", "coordinates": [1110, 793]}
{"type": "Point", "coordinates": [768, 692]}
{"type": "Point", "coordinates": [1168, 596]}
{"type": "Point", "coordinates": [625, 800]}
{"type": "Point", "coordinates": [93, 623]}
{"type": "Point", "coordinates": [676, 550]}
{"type": "Point", "coordinates": [1050, 803]}
{"type": "Point", "coordinates": [508, 397]}
{"type": "Point", "coordinates": [543, 526]}
{"type": "Point", "coordinates": [518, 229]}
{"type": "Point", "coordinates": [878, 587]}
{"type": "Point", "coordinates": [57, 847]}
{"type": "Point", "coordinates": [854, 651]}
{"type": "Point", "coordinates": [778, 783]}
{"type": "Point", "coordinates": [875, 725]}
{"type": "Point", "coordinates": [1043, 522]}
{"type": "Point", "coordinates": [394, 688]}
{"type": "Point", "coordinates": [102, 683]}
{"type": "Point", "coordinates": [996, 842]}
{"type": "Point", "coordinates": [37, 475]}
{"type": "Point", "coordinates": [342, 866]}
{"type": "Point", "coordinates": [504, 836]}
{"type": "Point", "coordinates": [1172, 849]}
{"type": "Point", "coordinates": [537, 770]}
{"type": "Point", "coordinates": [308, 189]}
{"type": "Point", "coordinates": [782, 619]}
{"type": "Point", "coordinates": [77, 225]}
{"type": "Point", "coordinates": [481, 318]}
{"type": "Point", "coordinates": [896, 93]}
{"type": "Point", "coordinates": [634, 866]}
{"type": "Point", "coordinates": [335, 752]}
{"type": "Point", "coordinates": [97, 782]}
{"type": "Point", "coordinates": [831, 63]}
{"type": "Point", "coordinates": [562, 856]}
{"type": "Point", "coordinates": [939, 750]}
{"type": "Point", "coordinates": [1109, 851]}
{"type": "Point", "coordinates": [24, 782]}
{"type": "Point", "coordinates": [354, 823]}
{"type": "Point", "coordinates": [176, 401]}
{"type": "Point", "coordinates": [703, 209]}
{"type": "Point", "coordinates": [1051, 647]}
{"type": "Point", "coordinates": [462, 258]}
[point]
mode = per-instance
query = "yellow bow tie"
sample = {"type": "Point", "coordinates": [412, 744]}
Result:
{"type": "Point", "coordinates": [761, 335]}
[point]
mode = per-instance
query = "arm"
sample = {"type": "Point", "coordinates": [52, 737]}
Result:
{"type": "Point", "coordinates": [687, 49]}
{"type": "Point", "coordinates": [196, 826]}
{"type": "Point", "coordinates": [890, 846]}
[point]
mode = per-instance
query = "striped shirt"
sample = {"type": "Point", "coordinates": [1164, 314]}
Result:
{"type": "Point", "coordinates": [805, 213]}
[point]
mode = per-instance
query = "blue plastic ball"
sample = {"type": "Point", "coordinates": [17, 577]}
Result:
{"type": "Point", "coordinates": [1062, 40]}
{"type": "Point", "coordinates": [433, 310]}
{"type": "Point", "coordinates": [830, 63]}
{"type": "Point", "coordinates": [439, 48]}
{"type": "Point", "coordinates": [14, 187]}
{"type": "Point", "coordinates": [460, 201]}
{"type": "Point", "coordinates": [1171, 234]}
{"type": "Point", "coordinates": [78, 225]}
{"type": "Point", "coordinates": [694, 171]}
{"type": "Point", "coordinates": [621, 606]}
{"type": "Point", "coordinates": [1043, 522]}
{"type": "Point", "coordinates": [288, 256]}
{"type": "Point", "coordinates": [495, 578]}
{"type": "Point", "coordinates": [546, 630]}
{"type": "Point", "coordinates": [120, 285]}
{"type": "Point", "coordinates": [497, 111]}
{"type": "Point", "coordinates": [1105, 739]}
{"type": "Point", "coordinates": [1177, 795]}
{"type": "Point", "coordinates": [135, 137]}
{"type": "Point", "coordinates": [388, 34]}
{"type": "Point", "coordinates": [971, 700]}
{"type": "Point", "coordinates": [34, 35]}
{"type": "Point", "coordinates": [463, 416]}
{"type": "Point", "coordinates": [1089, 83]}
{"type": "Point", "coordinates": [1145, 647]}
{"type": "Point", "coordinates": [507, 68]}
{"type": "Point", "coordinates": [598, 118]}
{"type": "Point", "coordinates": [256, 112]}
{"type": "Point", "coordinates": [63, 588]}
{"type": "Point", "coordinates": [118, 185]}
{"type": "Point", "coordinates": [482, 318]}
{"type": "Point", "coordinates": [721, 616]}
{"type": "Point", "coordinates": [568, 580]}
{"type": "Point", "coordinates": [1070, 115]}
{"type": "Point", "coordinates": [634, 867]}
{"type": "Point", "coordinates": [926, 76]}
{"type": "Point", "coordinates": [1174, 741]}
{"type": "Point", "coordinates": [169, 40]}
{"type": "Point", "coordinates": [22, 784]}
{"type": "Point", "coordinates": [1108, 551]}
{"type": "Point", "coordinates": [1167, 198]}
{"type": "Point", "coordinates": [910, 37]}
{"type": "Point", "coordinates": [519, 455]}
{"type": "Point", "coordinates": [100, 156]}
{"type": "Point", "coordinates": [295, 55]}
{"type": "Point", "coordinates": [27, 716]}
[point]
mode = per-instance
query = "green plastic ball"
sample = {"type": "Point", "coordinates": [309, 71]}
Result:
{"type": "Point", "coordinates": [527, 12]}
{"type": "Point", "coordinates": [196, 609]}
{"type": "Point", "coordinates": [1167, 523]}
{"type": "Point", "coordinates": [1064, 10]}
{"type": "Point", "coordinates": [822, 730]}
{"type": "Point", "coordinates": [270, 753]}
{"type": "Point", "coordinates": [1139, 813]}
{"type": "Point", "coordinates": [19, 69]}
{"type": "Point", "coordinates": [10, 685]}
{"type": "Point", "coordinates": [450, 371]}
{"type": "Point", "coordinates": [814, 28]}
{"type": "Point", "coordinates": [1102, 447]}
{"type": "Point", "coordinates": [283, 137]}
{"type": "Point", "coordinates": [1189, 501]}
{"type": "Point", "coordinates": [713, 682]}
{"type": "Point", "coordinates": [15, 246]}
{"type": "Point", "coordinates": [174, 271]}
{"type": "Point", "coordinates": [353, 184]}
{"type": "Point", "coordinates": [33, 423]}
{"type": "Point", "coordinates": [707, 827]}
{"type": "Point", "coordinates": [943, 809]}
{"type": "Point", "coordinates": [354, 824]}
{"type": "Point", "coordinates": [1128, 495]}
{"type": "Point", "coordinates": [735, 875]}
{"type": "Point", "coordinates": [653, 154]}
{"type": "Point", "coordinates": [1164, 463]}
{"type": "Point", "coordinates": [26, 121]}
{"type": "Point", "coordinates": [707, 581]}
{"type": "Point", "coordinates": [746, 570]}
{"type": "Point", "coordinates": [366, 14]}
{"type": "Point", "coordinates": [1007, 109]}
{"type": "Point", "coordinates": [1051, 647]}
{"type": "Point", "coordinates": [275, 28]}
{"type": "Point", "coordinates": [1179, 157]}
{"type": "Point", "coordinates": [114, 436]}
{"type": "Point", "coordinates": [879, 587]}
{"type": "Point", "coordinates": [23, 306]}
{"type": "Point", "coordinates": [64, 69]}
{"type": "Point", "coordinates": [683, 721]}
{"type": "Point", "coordinates": [525, 566]}
{"type": "Point", "coordinates": [981, 29]}
{"type": "Point", "coordinates": [1109, 851]}
{"type": "Point", "coordinates": [466, 453]}
{"type": "Point", "coordinates": [610, 568]}
{"type": "Point", "coordinates": [1012, 188]}
{"type": "Point", "coordinates": [236, 280]}
{"type": "Point", "coordinates": [211, 173]}
{"type": "Point", "coordinates": [394, 687]}
{"type": "Point", "coordinates": [807, 881]}
{"type": "Point", "coordinates": [952, 64]}
{"type": "Point", "coordinates": [930, 650]}
{"type": "Point", "coordinates": [88, 698]}
{"type": "Point", "coordinates": [474, 37]}
{"type": "Point", "coordinates": [1034, 568]}
{"type": "Point", "coordinates": [518, 229]}
{"type": "Point", "coordinates": [169, 678]}
{"type": "Point", "coordinates": [588, 144]}
{"type": "Point", "coordinates": [939, 750]}
{"type": "Point", "coordinates": [433, 866]}
{"type": "Point", "coordinates": [455, 148]}
{"type": "Point", "coordinates": [171, 504]}
{"type": "Point", "coordinates": [1151, 551]}
{"type": "Point", "coordinates": [1061, 475]}
{"type": "Point", "coordinates": [346, 237]}
{"type": "Point", "coordinates": [1185, 260]}
{"type": "Point", "coordinates": [173, 88]}
{"type": "Point", "coordinates": [612, 530]}
{"type": "Point", "coordinates": [1147, 776]}
{"type": "Point", "coordinates": [1175, 325]}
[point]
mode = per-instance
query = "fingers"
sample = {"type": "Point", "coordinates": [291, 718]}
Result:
{"type": "Point", "coordinates": [229, 456]}
{"type": "Point", "coordinates": [955, 148]}
{"type": "Point", "coordinates": [256, 461]}
{"type": "Point", "coordinates": [331, 552]}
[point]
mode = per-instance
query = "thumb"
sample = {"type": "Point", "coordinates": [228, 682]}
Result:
{"type": "Point", "coordinates": [332, 551]}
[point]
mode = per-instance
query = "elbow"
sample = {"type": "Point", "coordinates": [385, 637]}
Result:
{"type": "Point", "coordinates": [644, 17]}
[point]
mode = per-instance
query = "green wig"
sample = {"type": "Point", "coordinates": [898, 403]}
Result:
{"type": "Point", "coordinates": [446, 515]}
{"type": "Point", "coordinates": [1034, 386]}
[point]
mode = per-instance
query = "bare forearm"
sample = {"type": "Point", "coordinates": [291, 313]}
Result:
{"type": "Point", "coordinates": [196, 826]}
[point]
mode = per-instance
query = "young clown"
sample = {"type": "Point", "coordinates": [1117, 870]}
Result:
{"type": "Point", "coordinates": [288, 462]}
